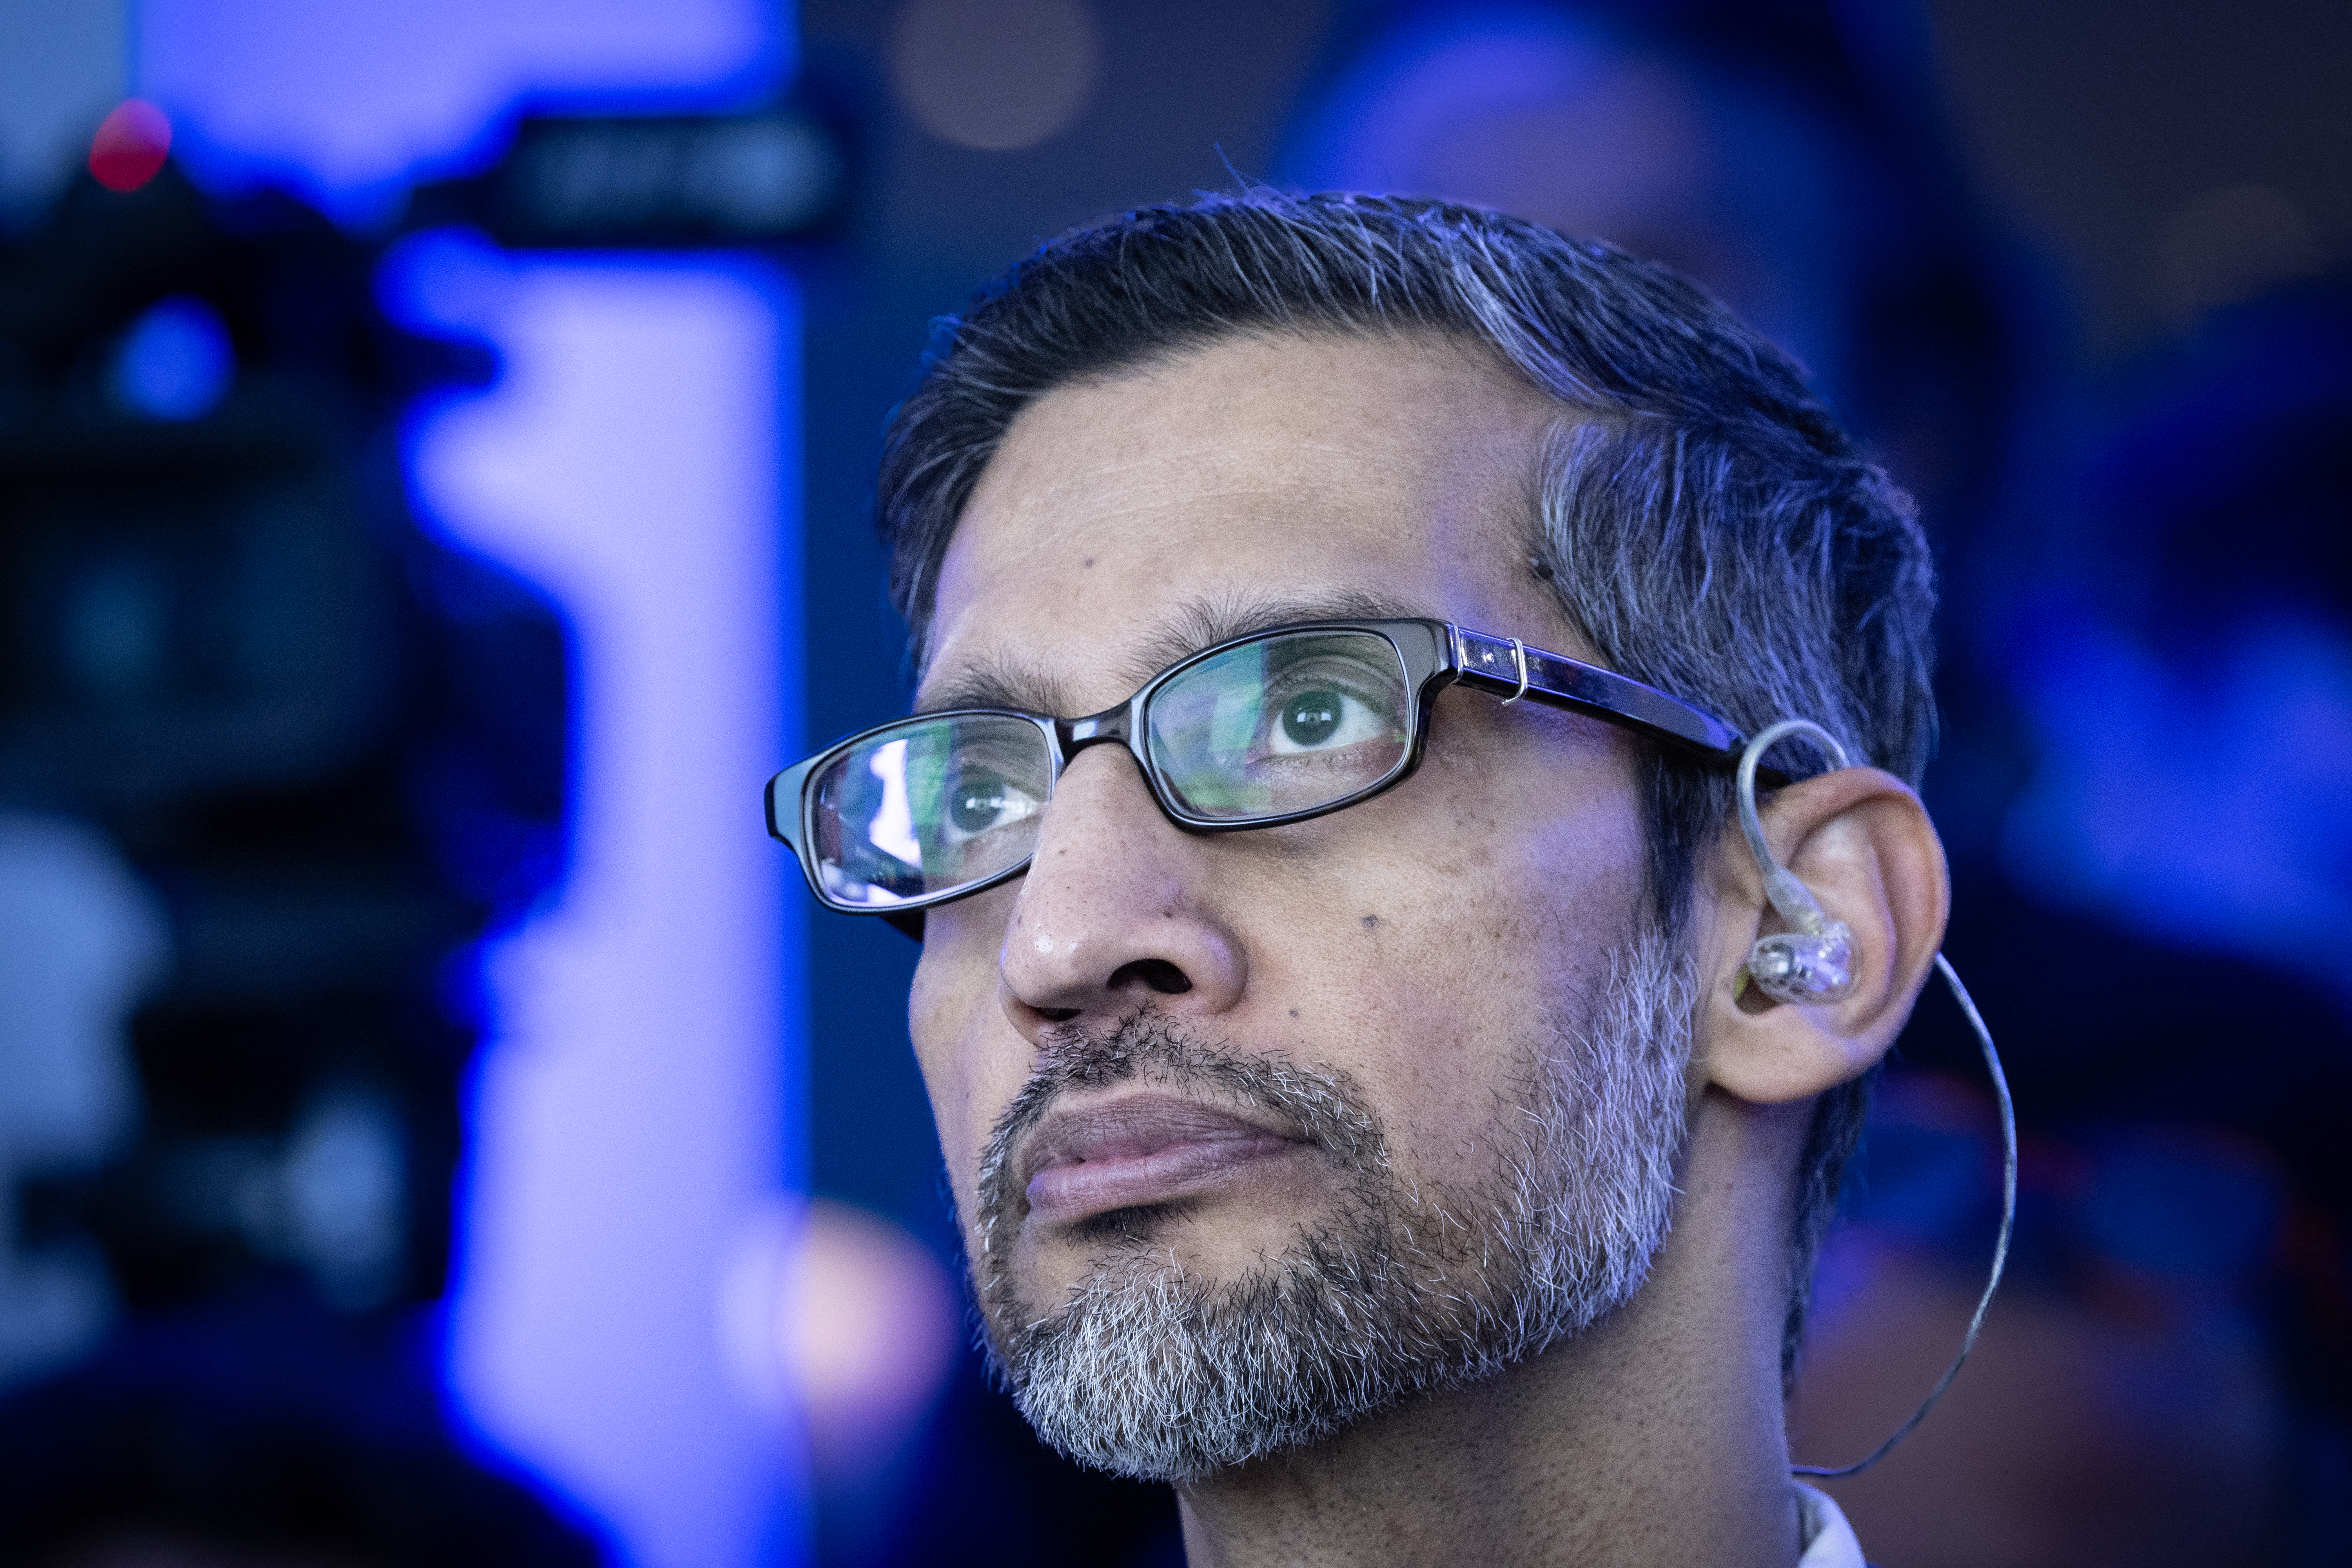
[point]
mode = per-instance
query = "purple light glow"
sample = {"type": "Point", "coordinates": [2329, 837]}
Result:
{"type": "Point", "coordinates": [348, 100]}
{"type": "Point", "coordinates": [627, 1122]}
{"type": "Point", "coordinates": [631, 1113]}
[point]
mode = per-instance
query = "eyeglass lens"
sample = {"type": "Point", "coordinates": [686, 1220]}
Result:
{"type": "Point", "coordinates": [1281, 725]}
{"type": "Point", "coordinates": [1268, 729]}
{"type": "Point", "coordinates": [928, 807]}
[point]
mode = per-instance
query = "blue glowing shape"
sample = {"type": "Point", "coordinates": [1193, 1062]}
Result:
{"type": "Point", "coordinates": [175, 363]}
{"type": "Point", "coordinates": [2204, 800]}
{"type": "Point", "coordinates": [345, 102]}
{"type": "Point", "coordinates": [629, 1113]}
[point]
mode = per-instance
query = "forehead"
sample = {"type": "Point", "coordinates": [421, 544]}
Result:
{"type": "Point", "coordinates": [1258, 477]}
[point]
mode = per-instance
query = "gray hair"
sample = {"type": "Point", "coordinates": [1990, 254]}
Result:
{"type": "Point", "coordinates": [1705, 521]}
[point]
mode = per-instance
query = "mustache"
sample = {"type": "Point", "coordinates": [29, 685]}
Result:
{"type": "Point", "coordinates": [1321, 1106]}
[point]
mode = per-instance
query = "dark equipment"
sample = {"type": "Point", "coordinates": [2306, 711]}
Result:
{"type": "Point", "coordinates": [336, 744]}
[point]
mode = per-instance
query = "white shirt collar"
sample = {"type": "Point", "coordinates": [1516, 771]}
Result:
{"type": "Point", "coordinates": [1828, 1538]}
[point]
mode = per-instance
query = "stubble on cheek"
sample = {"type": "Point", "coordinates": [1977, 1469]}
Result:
{"type": "Point", "coordinates": [1401, 1285]}
{"type": "Point", "coordinates": [971, 1060]}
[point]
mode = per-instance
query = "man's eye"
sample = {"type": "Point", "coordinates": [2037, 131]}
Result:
{"type": "Point", "coordinates": [978, 802]}
{"type": "Point", "coordinates": [976, 805]}
{"type": "Point", "coordinates": [1321, 718]}
{"type": "Point", "coordinates": [982, 800]}
{"type": "Point", "coordinates": [1310, 717]}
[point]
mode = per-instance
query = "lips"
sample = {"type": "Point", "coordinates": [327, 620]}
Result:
{"type": "Point", "coordinates": [1140, 1150]}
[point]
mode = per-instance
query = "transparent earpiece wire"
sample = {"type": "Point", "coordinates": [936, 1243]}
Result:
{"type": "Point", "coordinates": [2000, 1247]}
{"type": "Point", "coordinates": [1796, 903]}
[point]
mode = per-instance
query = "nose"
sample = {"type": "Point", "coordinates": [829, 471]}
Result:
{"type": "Point", "coordinates": [1116, 911]}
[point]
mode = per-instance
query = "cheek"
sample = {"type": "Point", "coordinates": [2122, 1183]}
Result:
{"type": "Point", "coordinates": [967, 1052]}
{"type": "Point", "coordinates": [1480, 943]}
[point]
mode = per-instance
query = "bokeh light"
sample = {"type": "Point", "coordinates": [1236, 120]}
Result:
{"type": "Point", "coordinates": [131, 146]}
{"type": "Point", "coordinates": [995, 75]}
{"type": "Point", "coordinates": [175, 363]}
{"type": "Point", "coordinates": [841, 1321]}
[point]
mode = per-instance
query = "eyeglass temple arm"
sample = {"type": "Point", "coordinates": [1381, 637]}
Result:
{"type": "Point", "coordinates": [1509, 669]}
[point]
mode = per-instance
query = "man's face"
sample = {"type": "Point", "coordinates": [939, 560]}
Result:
{"type": "Point", "coordinates": [1164, 1057]}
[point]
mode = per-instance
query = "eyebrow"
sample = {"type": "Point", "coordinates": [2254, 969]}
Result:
{"type": "Point", "coordinates": [998, 680]}
{"type": "Point", "coordinates": [1004, 679]}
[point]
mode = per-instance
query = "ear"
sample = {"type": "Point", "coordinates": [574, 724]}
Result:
{"type": "Point", "coordinates": [1862, 842]}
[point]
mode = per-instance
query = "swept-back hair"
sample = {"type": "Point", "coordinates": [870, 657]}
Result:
{"type": "Point", "coordinates": [1704, 518]}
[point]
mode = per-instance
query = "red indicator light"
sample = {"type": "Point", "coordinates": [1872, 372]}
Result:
{"type": "Point", "coordinates": [129, 146]}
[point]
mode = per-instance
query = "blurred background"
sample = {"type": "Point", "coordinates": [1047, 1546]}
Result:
{"type": "Point", "coordinates": [435, 448]}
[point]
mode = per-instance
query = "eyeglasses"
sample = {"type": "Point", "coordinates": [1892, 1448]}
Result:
{"type": "Point", "coordinates": [1277, 727]}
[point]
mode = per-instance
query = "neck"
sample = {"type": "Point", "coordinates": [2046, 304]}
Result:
{"type": "Point", "coordinates": [1653, 1438]}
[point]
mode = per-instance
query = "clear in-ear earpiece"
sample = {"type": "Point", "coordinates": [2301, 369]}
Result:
{"type": "Point", "coordinates": [1804, 967]}
{"type": "Point", "coordinates": [1813, 962]}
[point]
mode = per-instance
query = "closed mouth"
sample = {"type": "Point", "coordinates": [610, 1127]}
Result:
{"type": "Point", "coordinates": [1140, 1151]}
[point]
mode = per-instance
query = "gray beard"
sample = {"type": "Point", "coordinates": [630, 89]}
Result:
{"type": "Point", "coordinates": [1147, 1370]}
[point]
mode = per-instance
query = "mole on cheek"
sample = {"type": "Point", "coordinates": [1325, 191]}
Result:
{"type": "Point", "coordinates": [1372, 923]}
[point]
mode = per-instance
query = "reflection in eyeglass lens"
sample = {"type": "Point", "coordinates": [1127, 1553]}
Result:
{"type": "Point", "coordinates": [1286, 724]}
{"type": "Point", "coordinates": [929, 806]}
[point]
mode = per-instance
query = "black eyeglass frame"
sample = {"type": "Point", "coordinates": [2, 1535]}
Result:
{"type": "Point", "coordinates": [1436, 655]}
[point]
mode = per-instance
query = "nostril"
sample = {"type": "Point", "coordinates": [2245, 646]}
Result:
{"type": "Point", "coordinates": [1056, 1015]}
{"type": "Point", "coordinates": [1154, 974]}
